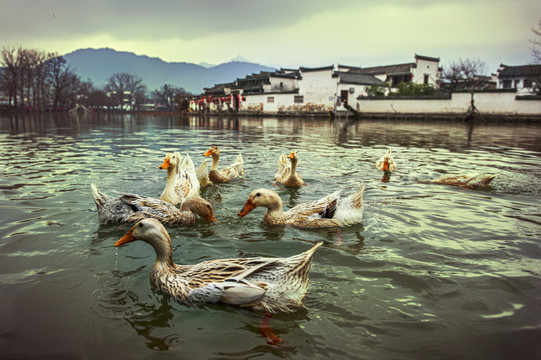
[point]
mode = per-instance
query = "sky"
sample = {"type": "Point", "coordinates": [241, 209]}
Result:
{"type": "Point", "coordinates": [280, 33]}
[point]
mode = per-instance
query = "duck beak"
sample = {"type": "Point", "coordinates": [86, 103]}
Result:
{"type": "Point", "coordinates": [247, 208]}
{"type": "Point", "coordinates": [208, 153]}
{"type": "Point", "coordinates": [211, 217]}
{"type": "Point", "coordinates": [166, 164]}
{"type": "Point", "coordinates": [291, 156]}
{"type": "Point", "coordinates": [128, 237]}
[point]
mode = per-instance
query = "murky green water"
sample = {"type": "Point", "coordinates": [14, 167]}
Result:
{"type": "Point", "coordinates": [433, 272]}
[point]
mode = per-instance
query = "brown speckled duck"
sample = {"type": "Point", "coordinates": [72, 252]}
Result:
{"type": "Point", "coordinates": [474, 181]}
{"type": "Point", "coordinates": [131, 208]}
{"type": "Point", "coordinates": [226, 174]}
{"type": "Point", "coordinates": [287, 174]}
{"type": "Point", "coordinates": [269, 284]}
{"type": "Point", "coordinates": [330, 211]}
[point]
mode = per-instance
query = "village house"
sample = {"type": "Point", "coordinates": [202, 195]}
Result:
{"type": "Point", "coordinates": [524, 78]}
{"type": "Point", "coordinates": [425, 70]}
{"type": "Point", "coordinates": [341, 89]}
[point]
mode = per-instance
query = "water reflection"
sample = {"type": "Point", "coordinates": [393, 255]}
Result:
{"type": "Point", "coordinates": [429, 268]}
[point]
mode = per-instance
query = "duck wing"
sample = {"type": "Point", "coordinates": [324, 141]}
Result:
{"type": "Point", "coordinates": [202, 173]}
{"type": "Point", "coordinates": [265, 283]}
{"type": "Point", "coordinates": [313, 207]}
{"type": "Point", "coordinates": [191, 184]}
{"type": "Point", "coordinates": [284, 169]}
{"type": "Point", "coordinates": [234, 170]}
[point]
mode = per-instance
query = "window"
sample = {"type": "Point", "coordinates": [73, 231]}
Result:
{"type": "Point", "coordinates": [507, 84]}
{"type": "Point", "coordinates": [527, 83]}
{"type": "Point", "coordinates": [427, 77]}
{"type": "Point", "coordinates": [298, 99]}
{"type": "Point", "coordinates": [270, 99]}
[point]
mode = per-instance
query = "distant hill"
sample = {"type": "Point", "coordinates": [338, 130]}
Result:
{"type": "Point", "coordinates": [99, 64]}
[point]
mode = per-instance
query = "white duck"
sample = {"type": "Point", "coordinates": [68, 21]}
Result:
{"type": "Point", "coordinates": [226, 174]}
{"type": "Point", "coordinates": [181, 180]}
{"type": "Point", "coordinates": [386, 162]}
{"type": "Point", "coordinates": [330, 211]}
{"type": "Point", "coordinates": [269, 284]}
{"type": "Point", "coordinates": [287, 174]}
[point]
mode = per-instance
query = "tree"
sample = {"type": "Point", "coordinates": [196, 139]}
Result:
{"type": "Point", "coordinates": [63, 83]}
{"type": "Point", "coordinates": [536, 41]}
{"type": "Point", "coordinates": [125, 88]}
{"type": "Point", "coordinates": [11, 63]}
{"type": "Point", "coordinates": [469, 75]}
{"type": "Point", "coordinates": [164, 97]}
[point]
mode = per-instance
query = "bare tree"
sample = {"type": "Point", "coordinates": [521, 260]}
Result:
{"type": "Point", "coordinates": [469, 75]}
{"type": "Point", "coordinates": [125, 89]}
{"type": "Point", "coordinates": [165, 96]}
{"type": "Point", "coordinates": [11, 61]}
{"type": "Point", "coordinates": [536, 41]}
{"type": "Point", "coordinates": [63, 83]}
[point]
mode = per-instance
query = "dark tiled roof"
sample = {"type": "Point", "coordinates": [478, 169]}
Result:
{"type": "Point", "coordinates": [523, 70]}
{"type": "Point", "coordinates": [427, 58]}
{"type": "Point", "coordinates": [358, 79]}
{"type": "Point", "coordinates": [386, 69]}
{"type": "Point", "coordinates": [304, 69]}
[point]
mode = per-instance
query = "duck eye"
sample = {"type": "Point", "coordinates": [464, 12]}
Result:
{"type": "Point", "coordinates": [258, 194]}
{"type": "Point", "coordinates": [141, 225]}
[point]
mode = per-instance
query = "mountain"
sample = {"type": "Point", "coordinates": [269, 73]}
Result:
{"type": "Point", "coordinates": [99, 64]}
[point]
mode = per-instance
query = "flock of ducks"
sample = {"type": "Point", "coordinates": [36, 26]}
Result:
{"type": "Point", "coordinates": [268, 284]}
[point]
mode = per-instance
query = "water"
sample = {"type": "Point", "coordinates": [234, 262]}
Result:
{"type": "Point", "coordinates": [433, 272]}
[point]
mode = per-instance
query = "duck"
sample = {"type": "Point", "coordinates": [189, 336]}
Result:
{"type": "Point", "coordinates": [330, 211]}
{"type": "Point", "coordinates": [471, 181]}
{"type": "Point", "coordinates": [226, 174]}
{"type": "Point", "coordinates": [181, 180]}
{"type": "Point", "coordinates": [287, 174]}
{"type": "Point", "coordinates": [258, 283]}
{"type": "Point", "coordinates": [387, 165]}
{"type": "Point", "coordinates": [131, 208]}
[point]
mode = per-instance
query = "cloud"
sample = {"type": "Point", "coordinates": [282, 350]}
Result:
{"type": "Point", "coordinates": [290, 33]}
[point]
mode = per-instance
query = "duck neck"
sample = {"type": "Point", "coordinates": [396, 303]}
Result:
{"type": "Point", "coordinates": [164, 253]}
{"type": "Point", "coordinates": [293, 166]}
{"type": "Point", "coordinates": [274, 213]}
{"type": "Point", "coordinates": [171, 174]}
{"type": "Point", "coordinates": [215, 159]}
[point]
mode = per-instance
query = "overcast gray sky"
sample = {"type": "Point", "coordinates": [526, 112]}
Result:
{"type": "Point", "coordinates": [285, 33]}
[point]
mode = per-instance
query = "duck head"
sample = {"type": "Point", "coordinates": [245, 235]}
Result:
{"type": "Point", "coordinates": [261, 197]}
{"type": "Point", "coordinates": [293, 155]}
{"type": "Point", "coordinates": [213, 151]}
{"type": "Point", "coordinates": [199, 206]}
{"type": "Point", "coordinates": [170, 160]}
{"type": "Point", "coordinates": [152, 232]}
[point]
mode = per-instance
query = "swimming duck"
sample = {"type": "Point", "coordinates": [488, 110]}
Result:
{"type": "Point", "coordinates": [330, 211]}
{"type": "Point", "coordinates": [181, 180]}
{"type": "Point", "coordinates": [386, 162]}
{"type": "Point", "coordinates": [387, 165]}
{"type": "Point", "coordinates": [474, 181]}
{"type": "Point", "coordinates": [226, 174]}
{"type": "Point", "coordinates": [287, 174]}
{"type": "Point", "coordinates": [268, 284]}
{"type": "Point", "coordinates": [132, 208]}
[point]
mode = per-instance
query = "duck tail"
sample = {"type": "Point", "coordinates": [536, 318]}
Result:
{"type": "Point", "coordinates": [99, 197]}
{"type": "Point", "coordinates": [239, 164]}
{"type": "Point", "coordinates": [357, 199]}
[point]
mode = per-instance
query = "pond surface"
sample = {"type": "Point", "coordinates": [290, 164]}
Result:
{"type": "Point", "coordinates": [433, 271]}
